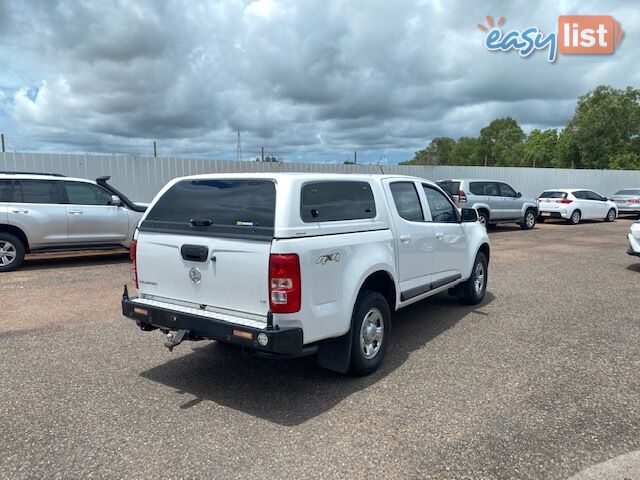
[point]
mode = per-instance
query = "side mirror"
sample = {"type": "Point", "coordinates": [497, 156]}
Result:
{"type": "Point", "coordinates": [518, 195]}
{"type": "Point", "coordinates": [115, 200]}
{"type": "Point", "coordinates": [469, 215]}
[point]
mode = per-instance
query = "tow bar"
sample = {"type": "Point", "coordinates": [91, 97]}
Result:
{"type": "Point", "coordinates": [172, 339]}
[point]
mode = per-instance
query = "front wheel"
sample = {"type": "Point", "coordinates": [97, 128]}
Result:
{"type": "Point", "coordinates": [370, 330]}
{"type": "Point", "coordinates": [611, 216]}
{"type": "Point", "coordinates": [473, 290]}
{"type": "Point", "coordinates": [529, 220]}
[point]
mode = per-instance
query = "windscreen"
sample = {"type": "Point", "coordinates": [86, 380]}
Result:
{"type": "Point", "coordinates": [225, 208]}
{"type": "Point", "coordinates": [553, 195]}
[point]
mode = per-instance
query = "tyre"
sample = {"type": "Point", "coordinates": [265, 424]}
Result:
{"type": "Point", "coordinates": [529, 220]}
{"type": "Point", "coordinates": [370, 331]}
{"type": "Point", "coordinates": [473, 290]}
{"type": "Point", "coordinates": [611, 215]}
{"type": "Point", "coordinates": [483, 218]}
{"type": "Point", "coordinates": [575, 217]}
{"type": "Point", "coordinates": [11, 252]}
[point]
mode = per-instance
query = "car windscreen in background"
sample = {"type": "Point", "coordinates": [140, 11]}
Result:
{"type": "Point", "coordinates": [553, 195]}
{"type": "Point", "coordinates": [452, 188]}
{"type": "Point", "coordinates": [218, 208]}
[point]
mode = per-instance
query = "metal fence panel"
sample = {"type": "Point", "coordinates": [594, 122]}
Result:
{"type": "Point", "coordinates": [142, 177]}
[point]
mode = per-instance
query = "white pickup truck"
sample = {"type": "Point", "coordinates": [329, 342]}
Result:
{"type": "Point", "coordinates": [290, 264]}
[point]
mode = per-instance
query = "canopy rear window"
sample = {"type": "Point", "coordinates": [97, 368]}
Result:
{"type": "Point", "coordinates": [335, 201]}
{"type": "Point", "coordinates": [631, 191]}
{"type": "Point", "coordinates": [218, 208]}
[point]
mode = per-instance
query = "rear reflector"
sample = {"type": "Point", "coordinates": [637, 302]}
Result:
{"type": "Point", "coordinates": [284, 283]}
{"type": "Point", "coordinates": [565, 201]}
{"type": "Point", "coordinates": [242, 334]}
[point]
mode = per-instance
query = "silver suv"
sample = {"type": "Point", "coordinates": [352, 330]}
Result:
{"type": "Point", "coordinates": [50, 212]}
{"type": "Point", "coordinates": [495, 201]}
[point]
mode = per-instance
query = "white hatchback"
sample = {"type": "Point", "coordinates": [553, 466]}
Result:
{"type": "Point", "coordinates": [634, 240]}
{"type": "Point", "coordinates": [574, 205]}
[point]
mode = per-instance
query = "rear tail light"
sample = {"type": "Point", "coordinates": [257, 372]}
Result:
{"type": "Point", "coordinates": [565, 201]}
{"type": "Point", "coordinates": [462, 197]}
{"type": "Point", "coordinates": [634, 200]}
{"type": "Point", "coordinates": [284, 283]}
{"type": "Point", "coordinates": [133, 255]}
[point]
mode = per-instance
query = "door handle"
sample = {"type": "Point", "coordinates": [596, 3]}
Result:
{"type": "Point", "coordinates": [405, 238]}
{"type": "Point", "coordinates": [439, 235]}
{"type": "Point", "coordinates": [20, 211]}
{"type": "Point", "coordinates": [75, 212]}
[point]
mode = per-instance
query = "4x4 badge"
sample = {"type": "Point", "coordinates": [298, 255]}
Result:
{"type": "Point", "coordinates": [332, 257]}
{"type": "Point", "coordinates": [195, 275]}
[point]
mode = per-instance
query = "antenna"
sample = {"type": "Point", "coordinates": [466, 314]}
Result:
{"type": "Point", "coordinates": [239, 149]}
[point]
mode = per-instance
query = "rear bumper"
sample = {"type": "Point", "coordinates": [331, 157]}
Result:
{"type": "Point", "coordinates": [553, 214]}
{"type": "Point", "coordinates": [284, 342]}
{"type": "Point", "coordinates": [627, 209]}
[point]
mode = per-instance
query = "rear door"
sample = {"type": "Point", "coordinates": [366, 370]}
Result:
{"type": "Point", "coordinates": [92, 218]}
{"type": "Point", "coordinates": [414, 239]}
{"type": "Point", "coordinates": [37, 208]}
{"type": "Point", "coordinates": [207, 242]}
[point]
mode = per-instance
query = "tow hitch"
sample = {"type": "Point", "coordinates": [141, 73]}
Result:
{"type": "Point", "coordinates": [172, 339]}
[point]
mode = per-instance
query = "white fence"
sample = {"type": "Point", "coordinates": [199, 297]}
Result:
{"type": "Point", "coordinates": [140, 178]}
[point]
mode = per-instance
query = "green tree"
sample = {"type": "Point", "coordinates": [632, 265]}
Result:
{"type": "Point", "coordinates": [465, 152]}
{"type": "Point", "coordinates": [501, 141]}
{"type": "Point", "coordinates": [436, 153]}
{"type": "Point", "coordinates": [606, 126]}
{"type": "Point", "coordinates": [540, 148]}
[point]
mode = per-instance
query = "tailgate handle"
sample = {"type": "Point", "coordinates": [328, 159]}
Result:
{"type": "Point", "coordinates": [195, 253]}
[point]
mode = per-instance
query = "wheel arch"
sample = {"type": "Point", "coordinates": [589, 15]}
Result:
{"type": "Point", "coordinates": [381, 281]}
{"type": "Point", "coordinates": [13, 230]}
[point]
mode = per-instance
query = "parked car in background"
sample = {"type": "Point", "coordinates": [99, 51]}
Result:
{"type": "Point", "coordinates": [495, 201]}
{"type": "Point", "coordinates": [574, 205]}
{"type": "Point", "coordinates": [627, 200]}
{"type": "Point", "coordinates": [634, 240]}
{"type": "Point", "coordinates": [50, 212]}
{"type": "Point", "coordinates": [287, 264]}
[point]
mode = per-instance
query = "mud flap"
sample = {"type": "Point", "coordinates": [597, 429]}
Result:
{"type": "Point", "coordinates": [335, 354]}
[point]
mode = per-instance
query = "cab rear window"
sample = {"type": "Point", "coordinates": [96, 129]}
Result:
{"type": "Point", "coordinates": [5, 190]}
{"type": "Point", "coordinates": [220, 208]}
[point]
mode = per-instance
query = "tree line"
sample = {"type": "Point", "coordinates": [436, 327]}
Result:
{"type": "Point", "coordinates": [603, 133]}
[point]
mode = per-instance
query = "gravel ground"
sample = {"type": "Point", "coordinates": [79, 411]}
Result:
{"type": "Point", "coordinates": [540, 381]}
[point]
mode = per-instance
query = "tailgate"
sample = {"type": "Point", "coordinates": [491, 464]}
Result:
{"type": "Point", "coordinates": [233, 276]}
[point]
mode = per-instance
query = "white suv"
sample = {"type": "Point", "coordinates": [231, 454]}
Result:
{"type": "Point", "coordinates": [50, 212]}
{"type": "Point", "coordinates": [574, 205]}
{"type": "Point", "coordinates": [293, 264]}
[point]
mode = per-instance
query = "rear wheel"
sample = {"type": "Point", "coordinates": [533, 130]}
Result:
{"type": "Point", "coordinates": [575, 217]}
{"type": "Point", "coordinates": [473, 290]}
{"type": "Point", "coordinates": [483, 218]}
{"type": "Point", "coordinates": [611, 215]}
{"type": "Point", "coordinates": [11, 252]}
{"type": "Point", "coordinates": [529, 220]}
{"type": "Point", "coordinates": [370, 329]}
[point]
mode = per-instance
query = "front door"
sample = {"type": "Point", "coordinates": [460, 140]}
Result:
{"type": "Point", "coordinates": [92, 218]}
{"type": "Point", "coordinates": [414, 242]}
{"type": "Point", "coordinates": [510, 201]}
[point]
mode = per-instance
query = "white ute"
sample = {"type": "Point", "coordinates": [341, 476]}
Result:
{"type": "Point", "coordinates": [290, 264]}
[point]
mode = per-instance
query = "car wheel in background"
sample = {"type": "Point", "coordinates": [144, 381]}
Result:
{"type": "Point", "coordinates": [370, 329]}
{"type": "Point", "coordinates": [611, 215]}
{"type": "Point", "coordinates": [575, 217]}
{"type": "Point", "coordinates": [11, 252]}
{"type": "Point", "coordinates": [483, 218]}
{"type": "Point", "coordinates": [529, 220]}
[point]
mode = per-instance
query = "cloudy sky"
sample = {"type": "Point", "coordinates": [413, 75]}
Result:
{"type": "Point", "coordinates": [309, 80]}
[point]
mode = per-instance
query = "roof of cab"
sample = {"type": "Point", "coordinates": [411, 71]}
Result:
{"type": "Point", "coordinates": [41, 176]}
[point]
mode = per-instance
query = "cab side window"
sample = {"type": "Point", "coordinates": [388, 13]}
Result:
{"type": "Point", "coordinates": [442, 211]}
{"type": "Point", "coordinates": [407, 201]}
{"type": "Point", "coordinates": [79, 193]}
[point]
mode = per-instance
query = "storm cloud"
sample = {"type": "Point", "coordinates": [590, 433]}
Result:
{"type": "Point", "coordinates": [309, 80]}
